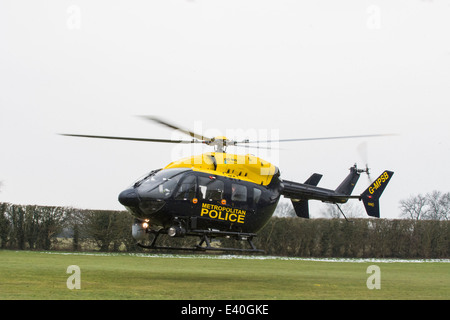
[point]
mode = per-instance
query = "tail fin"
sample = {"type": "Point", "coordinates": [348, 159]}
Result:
{"type": "Point", "coordinates": [301, 207]}
{"type": "Point", "coordinates": [347, 186]}
{"type": "Point", "coordinates": [314, 179]}
{"type": "Point", "coordinates": [371, 196]}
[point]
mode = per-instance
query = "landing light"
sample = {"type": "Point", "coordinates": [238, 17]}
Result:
{"type": "Point", "coordinates": [176, 231]}
{"type": "Point", "coordinates": [172, 231]}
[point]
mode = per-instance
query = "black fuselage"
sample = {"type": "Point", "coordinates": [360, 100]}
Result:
{"type": "Point", "coordinates": [212, 201]}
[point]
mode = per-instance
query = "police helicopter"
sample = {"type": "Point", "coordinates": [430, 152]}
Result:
{"type": "Point", "coordinates": [218, 194]}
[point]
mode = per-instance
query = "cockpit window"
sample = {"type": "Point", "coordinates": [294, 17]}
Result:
{"type": "Point", "coordinates": [144, 177]}
{"type": "Point", "coordinates": [210, 189]}
{"type": "Point", "coordinates": [256, 195]}
{"type": "Point", "coordinates": [160, 184]}
{"type": "Point", "coordinates": [238, 192]}
{"type": "Point", "coordinates": [187, 189]}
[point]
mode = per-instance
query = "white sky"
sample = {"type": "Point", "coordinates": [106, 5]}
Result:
{"type": "Point", "coordinates": [297, 69]}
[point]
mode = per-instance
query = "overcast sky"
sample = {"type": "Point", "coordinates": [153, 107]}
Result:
{"type": "Point", "coordinates": [274, 69]}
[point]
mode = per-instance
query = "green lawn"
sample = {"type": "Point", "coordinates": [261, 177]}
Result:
{"type": "Point", "coordinates": [39, 275]}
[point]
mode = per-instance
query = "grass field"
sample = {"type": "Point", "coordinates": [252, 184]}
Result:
{"type": "Point", "coordinates": [41, 275]}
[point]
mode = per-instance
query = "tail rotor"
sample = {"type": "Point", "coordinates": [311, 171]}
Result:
{"type": "Point", "coordinates": [363, 152]}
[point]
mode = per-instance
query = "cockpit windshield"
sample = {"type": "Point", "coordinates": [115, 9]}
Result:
{"type": "Point", "coordinates": [159, 184]}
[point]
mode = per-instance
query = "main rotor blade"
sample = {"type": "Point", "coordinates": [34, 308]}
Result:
{"type": "Point", "coordinates": [323, 138]}
{"type": "Point", "coordinates": [172, 126]}
{"type": "Point", "coordinates": [130, 139]}
{"type": "Point", "coordinates": [255, 147]}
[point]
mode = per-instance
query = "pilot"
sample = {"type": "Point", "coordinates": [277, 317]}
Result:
{"type": "Point", "coordinates": [237, 194]}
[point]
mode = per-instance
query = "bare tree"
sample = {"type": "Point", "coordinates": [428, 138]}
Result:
{"type": "Point", "coordinates": [415, 207]}
{"type": "Point", "coordinates": [445, 202]}
{"type": "Point", "coordinates": [434, 205]}
{"type": "Point", "coordinates": [104, 227]}
{"type": "Point", "coordinates": [284, 209]}
{"type": "Point", "coordinates": [438, 204]}
{"type": "Point", "coordinates": [350, 209]}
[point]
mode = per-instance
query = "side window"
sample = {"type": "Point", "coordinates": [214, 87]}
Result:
{"type": "Point", "coordinates": [256, 195]}
{"type": "Point", "coordinates": [210, 189]}
{"type": "Point", "coordinates": [187, 189]}
{"type": "Point", "coordinates": [238, 192]}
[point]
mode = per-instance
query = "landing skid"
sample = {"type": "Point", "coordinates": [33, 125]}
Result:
{"type": "Point", "coordinates": [204, 243]}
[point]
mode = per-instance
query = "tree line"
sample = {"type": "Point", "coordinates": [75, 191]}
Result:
{"type": "Point", "coordinates": [48, 228]}
{"type": "Point", "coordinates": [434, 205]}
{"type": "Point", "coordinates": [360, 238]}
{"type": "Point", "coordinates": [32, 227]}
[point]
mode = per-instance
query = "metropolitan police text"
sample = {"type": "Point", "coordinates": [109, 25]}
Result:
{"type": "Point", "coordinates": [223, 213]}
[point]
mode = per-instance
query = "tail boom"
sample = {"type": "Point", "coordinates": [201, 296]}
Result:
{"type": "Point", "coordinates": [301, 193]}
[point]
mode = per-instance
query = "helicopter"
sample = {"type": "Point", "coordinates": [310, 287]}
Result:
{"type": "Point", "coordinates": [223, 195]}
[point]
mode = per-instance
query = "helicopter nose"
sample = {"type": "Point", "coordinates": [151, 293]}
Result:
{"type": "Point", "coordinates": [129, 198]}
